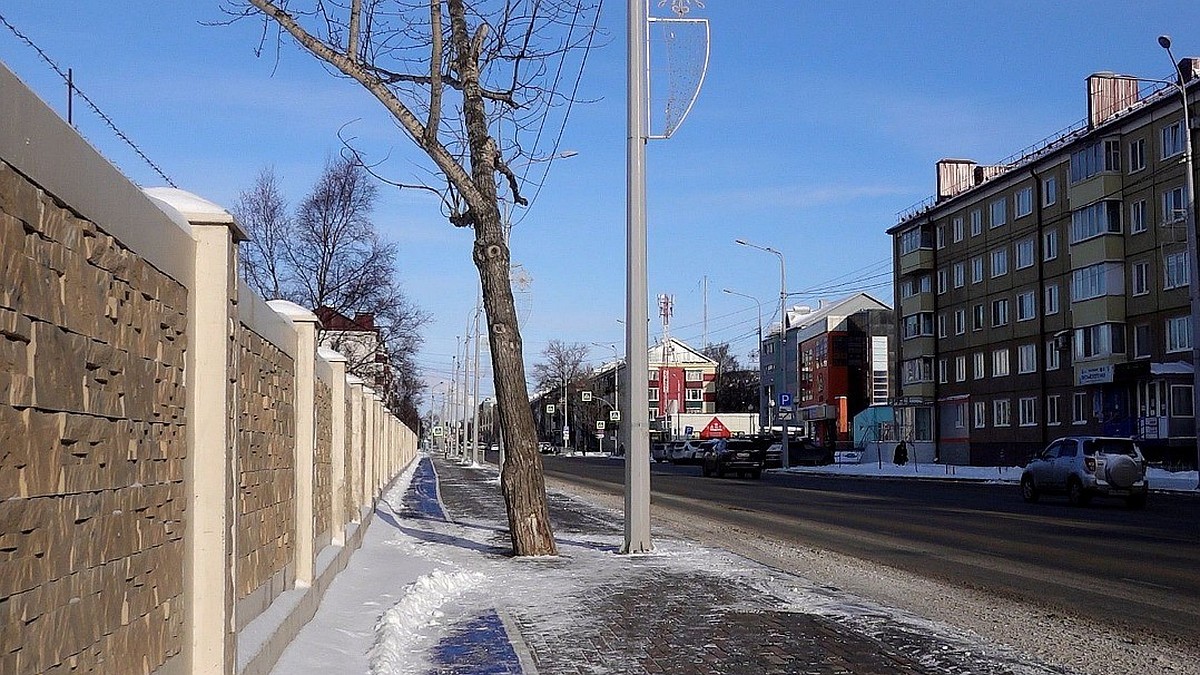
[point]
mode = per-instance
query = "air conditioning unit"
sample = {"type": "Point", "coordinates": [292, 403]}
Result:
{"type": "Point", "coordinates": [1062, 340]}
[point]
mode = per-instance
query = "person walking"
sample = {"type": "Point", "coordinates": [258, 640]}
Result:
{"type": "Point", "coordinates": [901, 456]}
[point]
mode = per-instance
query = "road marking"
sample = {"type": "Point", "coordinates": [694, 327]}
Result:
{"type": "Point", "coordinates": [1147, 583]}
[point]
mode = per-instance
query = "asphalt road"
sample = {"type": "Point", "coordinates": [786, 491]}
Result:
{"type": "Point", "coordinates": [1137, 570]}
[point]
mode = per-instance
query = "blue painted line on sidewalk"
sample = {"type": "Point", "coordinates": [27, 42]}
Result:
{"type": "Point", "coordinates": [421, 499]}
{"type": "Point", "coordinates": [478, 647]}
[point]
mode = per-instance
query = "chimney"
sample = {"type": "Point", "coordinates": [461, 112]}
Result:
{"type": "Point", "coordinates": [1109, 95]}
{"type": "Point", "coordinates": [953, 176]}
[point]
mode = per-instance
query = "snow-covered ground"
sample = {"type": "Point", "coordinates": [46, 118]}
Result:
{"type": "Point", "coordinates": [849, 466]}
{"type": "Point", "coordinates": [416, 581]}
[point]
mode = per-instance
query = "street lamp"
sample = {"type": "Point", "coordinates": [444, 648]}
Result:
{"type": "Point", "coordinates": [1164, 41]}
{"type": "Point", "coordinates": [760, 377]}
{"type": "Point", "coordinates": [779, 360]}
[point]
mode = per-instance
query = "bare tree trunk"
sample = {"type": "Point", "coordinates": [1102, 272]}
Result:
{"type": "Point", "coordinates": [522, 481]}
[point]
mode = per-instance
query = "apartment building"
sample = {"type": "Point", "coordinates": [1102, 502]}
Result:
{"type": "Point", "coordinates": [1048, 295]}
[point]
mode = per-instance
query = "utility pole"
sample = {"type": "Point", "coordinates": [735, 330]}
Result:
{"type": "Point", "coordinates": [475, 395]}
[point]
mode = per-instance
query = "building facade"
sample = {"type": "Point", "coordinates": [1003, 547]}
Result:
{"type": "Point", "coordinates": [833, 365]}
{"type": "Point", "coordinates": [1048, 295]}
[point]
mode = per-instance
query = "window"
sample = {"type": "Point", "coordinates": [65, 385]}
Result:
{"type": "Point", "coordinates": [1175, 270]}
{"type": "Point", "coordinates": [941, 237]}
{"type": "Point", "coordinates": [960, 416]}
{"type": "Point", "coordinates": [957, 226]}
{"type": "Point", "coordinates": [976, 223]}
{"type": "Point", "coordinates": [1097, 157]}
{"type": "Point", "coordinates": [999, 212]}
{"type": "Point", "coordinates": [1137, 217]}
{"type": "Point", "coordinates": [918, 325]}
{"type": "Point", "coordinates": [1079, 408]}
{"type": "Point", "coordinates": [1051, 299]}
{"type": "Point", "coordinates": [1096, 280]}
{"type": "Point", "coordinates": [653, 376]}
{"type": "Point", "coordinates": [1026, 305]}
{"type": "Point", "coordinates": [1000, 362]}
{"type": "Point", "coordinates": [653, 394]}
{"type": "Point", "coordinates": [1172, 139]}
{"type": "Point", "coordinates": [960, 369]}
{"type": "Point", "coordinates": [999, 262]}
{"type": "Point", "coordinates": [978, 317]}
{"type": "Point", "coordinates": [1049, 191]}
{"type": "Point", "coordinates": [1053, 360]}
{"type": "Point", "coordinates": [941, 323]}
{"type": "Point", "coordinates": [1024, 253]}
{"type": "Point", "coordinates": [1181, 401]}
{"type": "Point", "coordinates": [1052, 410]}
{"type": "Point", "coordinates": [918, 370]}
{"type": "Point", "coordinates": [980, 371]}
{"type": "Point", "coordinates": [1104, 339]}
{"type": "Point", "coordinates": [1050, 245]}
{"type": "Point", "coordinates": [1141, 341]}
{"type": "Point", "coordinates": [1000, 412]}
{"type": "Point", "coordinates": [1173, 208]}
{"type": "Point", "coordinates": [977, 269]}
{"type": "Point", "coordinates": [1179, 334]}
{"type": "Point", "coordinates": [915, 239]}
{"type": "Point", "coordinates": [694, 375]}
{"type": "Point", "coordinates": [943, 371]}
{"type": "Point", "coordinates": [1027, 412]}
{"type": "Point", "coordinates": [960, 321]}
{"type": "Point", "coordinates": [1140, 278]}
{"type": "Point", "coordinates": [980, 415]}
{"type": "Point", "coordinates": [960, 275]}
{"type": "Point", "coordinates": [1000, 312]}
{"type": "Point", "coordinates": [941, 274]}
{"type": "Point", "coordinates": [1023, 202]}
{"type": "Point", "coordinates": [1137, 155]}
{"type": "Point", "coordinates": [694, 395]}
{"type": "Point", "coordinates": [1103, 217]}
{"type": "Point", "coordinates": [1027, 358]}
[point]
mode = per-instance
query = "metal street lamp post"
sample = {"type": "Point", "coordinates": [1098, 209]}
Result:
{"type": "Point", "coordinates": [761, 395]}
{"type": "Point", "coordinates": [779, 359]}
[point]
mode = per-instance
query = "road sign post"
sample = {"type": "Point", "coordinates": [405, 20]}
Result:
{"type": "Point", "coordinates": [785, 403]}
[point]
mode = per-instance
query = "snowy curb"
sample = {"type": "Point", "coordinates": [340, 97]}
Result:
{"type": "Point", "coordinates": [399, 632]}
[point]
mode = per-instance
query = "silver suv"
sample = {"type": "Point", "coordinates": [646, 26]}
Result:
{"type": "Point", "coordinates": [1085, 466]}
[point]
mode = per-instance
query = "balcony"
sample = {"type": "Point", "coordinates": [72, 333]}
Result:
{"type": "Point", "coordinates": [920, 260]}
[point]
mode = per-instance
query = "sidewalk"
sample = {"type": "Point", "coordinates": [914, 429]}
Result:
{"type": "Point", "coordinates": [433, 590]}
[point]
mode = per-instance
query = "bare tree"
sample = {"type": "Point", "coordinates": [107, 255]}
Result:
{"type": "Point", "coordinates": [475, 85]}
{"type": "Point", "coordinates": [736, 389]}
{"type": "Point", "coordinates": [564, 368]}
{"type": "Point", "coordinates": [328, 257]}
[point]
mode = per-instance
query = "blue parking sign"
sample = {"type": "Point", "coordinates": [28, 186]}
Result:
{"type": "Point", "coordinates": [785, 400]}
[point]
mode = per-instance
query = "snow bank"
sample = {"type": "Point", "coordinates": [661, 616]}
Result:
{"type": "Point", "coordinates": [403, 631]}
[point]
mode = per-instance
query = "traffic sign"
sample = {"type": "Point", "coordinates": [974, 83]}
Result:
{"type": "Point", "coordinates": [785, 399]}
{"type": "Point", "coordinates": [550, 409]}
{"type": "Point", "coordinates": [785, 415]}
{"type": "Point", "coordinates": [614, 415]}
{"type": "Point", "coordinates": [585, 396]}
{"type": "Point", "coordinates": [599, 425]}
{"type": "Point", "coordinates": [566, 434]}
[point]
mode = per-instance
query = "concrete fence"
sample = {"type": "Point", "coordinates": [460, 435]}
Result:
{"type": "Point", "coordinates": [182, 469]}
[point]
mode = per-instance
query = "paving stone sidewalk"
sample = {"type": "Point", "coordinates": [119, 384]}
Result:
{"type": "Point", "coordinates": [652, 614]}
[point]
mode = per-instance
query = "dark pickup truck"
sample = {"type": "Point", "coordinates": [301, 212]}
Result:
{"type": "Point", "coordinates": [739, 456]}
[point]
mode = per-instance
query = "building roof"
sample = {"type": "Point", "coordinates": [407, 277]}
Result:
{"type": "Point", "coordinates": [827, 317]}
{"type": "Point", "coordinates": [331, 319]}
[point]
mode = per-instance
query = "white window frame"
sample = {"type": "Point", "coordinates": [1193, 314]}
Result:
{"type": "Point", "coordinates": [1053, 357]}
{"type": "Point", "coordinates": [976, 222]}
{"type": "Point", "coordinates": [1026, 306]}
{"type": "Point", "coordinates": [999, 258]}
{"type": "Point", "coordinates": [957, 227]}
{"type": "Point", "coordinates": [977, 269]}
{"type": "Point", "coordinates": [1171, 139]}
{"type": "Point", "coordinates": [1080, 408]}
{"type": "Point", "coordinates": [1023, 203]}
{"type": "Point", "coordinates": [1027, 411]}
{"type": "Point", "coordinates": [1137, 155]}
{"type": "Point", "coordinates": [1002, 412]}
{"type": "Point", "coordinates": [693, 375]}
{"type": "Point", "coordinates": [1050, 299]}
{"type": "Point", "coordinates": [999, 312]}
{"type": "Point", "coordinates": [998, 213]}
{"type": "Point", "coordinates": [1137, 216]}
{"type": "Point", "coordinates": [1023, 253]}
{"type": "Point", "coordinates": [1142, 347]}
{"type": "Point", "coordinates": [960, 321]}
{"type": "Point", "coordinates": [960, 368]}
{"type": "Point", "coordinates": [959, 274]}
{"type": "Point", "coordinates": [1139, 278]}
{"type": "Point", "coordinates": [1000, 362]}
{"type": "Point", "coordinates": [1179, 334]}
{"type": "Point", "coordinates": [1050, 245]}
{"type": "Point", "coordinates": [980, 365]}
{"type": "Point", "coordinates": [1052, 405]}
{"type": "Point", "coordinates": [1174, 209]}
{"type": "Point", "coordinates": [980, 419]}
{"type": "Point", "coordinates": [1176, 272]}
{"type": "Point", "coordinates": [1050, 191]}
{"type": "Point", "coordinates": [943, 371]}
{"type": "Point", "coordinates": [693, 394]}
{"type": "Point", "coordinates": [1027, 358]}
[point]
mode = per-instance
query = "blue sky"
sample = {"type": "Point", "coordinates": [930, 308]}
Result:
{"type": "Point", "coordinates": [817, 123]}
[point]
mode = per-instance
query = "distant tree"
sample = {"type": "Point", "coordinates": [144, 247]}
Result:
{"type": "Point", "coordinates": [737, 389]}
{"type": "Point", "coordinates": [475, 85]}
{"type": "Point", "coordinates": [329, 255]}
{"type": "Point", "coordinates": [564, 369]}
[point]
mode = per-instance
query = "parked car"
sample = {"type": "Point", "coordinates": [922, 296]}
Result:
{"type": "Point", "coordinates": [545, 448]}
{"type": "Point", "coordinates": [741, 456]}
{"type": "Point", "coordinates": [801, 452]}
{"type": "Point", "coordinates": [660, 452]}
{"type": "Point", "coordinates": [687, 452]}
{"type": "Point", "coordinates": [1082, 467]}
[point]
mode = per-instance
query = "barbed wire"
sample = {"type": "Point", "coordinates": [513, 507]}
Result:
{"type": "Point", "coordinates": [95, 108]}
